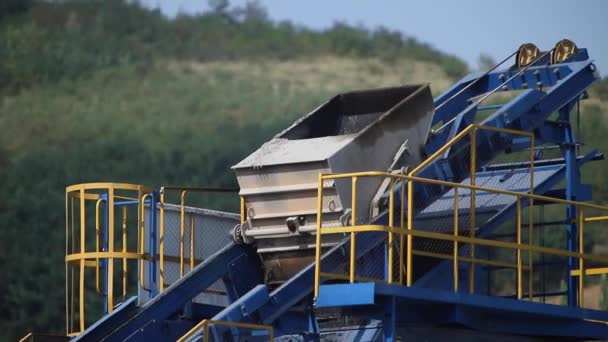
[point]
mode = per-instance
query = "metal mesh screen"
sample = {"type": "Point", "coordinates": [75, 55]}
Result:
{"type": "Point", "coordinates": [477, 210]}
{"type": "Point", "coordinates": [205, 232]}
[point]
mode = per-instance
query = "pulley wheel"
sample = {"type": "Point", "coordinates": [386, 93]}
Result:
{"type": "Point", "coordinates": [562, 51]}
{"type": "Point", "coordinates": [526, 54]}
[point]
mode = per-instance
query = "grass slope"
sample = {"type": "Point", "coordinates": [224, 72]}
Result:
{"type": "Point", "coordinates": [174, 122]}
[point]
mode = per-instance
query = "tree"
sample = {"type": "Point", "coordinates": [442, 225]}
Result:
{"type": "Point", "coordinates": [219, 6]}
{"type": "Point", "coordinates": [8, 7]}
{"type": "Point", "coordinates": [485, 62]}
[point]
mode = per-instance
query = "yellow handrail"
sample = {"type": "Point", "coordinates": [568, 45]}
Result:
{"type": "Point", "coordinates": [463, 186]}
{"type": "Point", "coordinates": [204, 325]}
{"type": "Point", "coordinates": [518, 246]}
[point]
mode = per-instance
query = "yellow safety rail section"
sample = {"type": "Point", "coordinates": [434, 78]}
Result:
{"type": "Point", "coordinates": [471, 133]}
{"type": "Point", "coordinates": [204, 326]}
{"type": "Point", "coordinates": [185, 224]}
{"type": "Point", "coordinates": [122, 242]}
{"type": "Point", "coordinates": [106, 227]}
{"type": "Point", "coordinates": [409, 231]}
{"type": "Point", "coordinates": [583, 267]}
{"type": "Point", "coordinates": [405, 232]}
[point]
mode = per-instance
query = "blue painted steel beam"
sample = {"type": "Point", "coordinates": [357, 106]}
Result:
{"type": "Point", "coordinates": [197, 312]}
{"type": "Point", "coordinates": [116, 317]}
{"type": "Point", "coordinates": [242, 310]}
{"type": "Point", "coordinates": [172, 300]}
{"type": "Point", "coordinates": [300, 286]}
{"type": "Point", "coordinates": [527, 111]}
{"type": "Point", "coordinates": [475, 311]}
{"type": "Point", "coordinates": [568, 81]}
{"type": "Point", "coordinates": [573, 181]}
{"type": "Point", "coordinates": [152, 243]}
{"type": "Point", "coordinates": [540, 75]}
{"type": "Point", "coordinates": [490, 107]}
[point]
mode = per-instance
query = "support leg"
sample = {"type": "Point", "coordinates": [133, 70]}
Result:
{"type": "Point", "coordinates": [389, 319]}
{"type": "Point", "coordinates": [573, 182]}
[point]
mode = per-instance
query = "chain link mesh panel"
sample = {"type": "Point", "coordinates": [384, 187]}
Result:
{"type": "Point", "coordinates": [204, 233]}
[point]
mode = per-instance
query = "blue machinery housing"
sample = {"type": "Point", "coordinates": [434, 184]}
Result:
{"type": "Point", "coordinates": [409, 272]}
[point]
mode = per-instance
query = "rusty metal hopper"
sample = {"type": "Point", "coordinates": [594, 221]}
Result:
{"type": "Point", "coordinates": [356, 131]}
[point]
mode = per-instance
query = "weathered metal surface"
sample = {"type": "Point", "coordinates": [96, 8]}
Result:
{"type": "Point", "coordinates": [356, 131]}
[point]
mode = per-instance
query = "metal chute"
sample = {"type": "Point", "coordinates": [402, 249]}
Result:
{"type": "Point", "coordinates": [351, 132]}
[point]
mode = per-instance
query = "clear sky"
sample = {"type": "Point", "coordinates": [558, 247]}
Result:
{"type": "Point", "coordinates": [464, 28]}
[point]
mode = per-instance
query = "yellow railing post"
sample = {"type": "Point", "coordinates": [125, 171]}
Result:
{"type": "Point", "coordinates": [206, 331]}
{"type": "Point", "coordinates": [391, 220]}
{"type": "Point", "coordinates": [472, 208]}
{"type": "Point", "coordinates": [97, 244]}
{"type": "Point", "coordinates": [531, 224]}
{"type": "Point", "coordinates": [581, 263]}
{"type": "Point", "coordinates": [410, 223]}
{"type": "Point", "coordinates": [110, 287]}
{"type": "Point", "coordinates": [318, 235]}
{"type": "Point", "coordinates": [456, 218]}
{"type": "Point", "coordinates": [82, 250]}
{"type": "Point", "coordinates": [67, 268]}
{"type": "Point", "coordinates": [192, 255]}
{"type": "Point", "coordinates": [402, 230]}
{"type": "Point", "coordinates": [519, 261]}
{"type": "Point", "coordinates": [161, 241]}
{"type": "Point", "coordinates": [531, 164]}
{"type": "Point", "coordinates": [353, 234]}
{"type": "Point", "coordinates": [72, 268]}
{"type": "Point", "coordinates": [530, 256]}
{"type": "Point", "coordinates": [182, 232]}
{"type": "Point", "coordinates": [124, 249]}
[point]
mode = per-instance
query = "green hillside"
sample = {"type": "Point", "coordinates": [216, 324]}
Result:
{"type": "Point", "coordinates": [104, 90]}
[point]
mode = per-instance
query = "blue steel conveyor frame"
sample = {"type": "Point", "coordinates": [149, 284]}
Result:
{"type": "Point", "coordinates": [546, 88]}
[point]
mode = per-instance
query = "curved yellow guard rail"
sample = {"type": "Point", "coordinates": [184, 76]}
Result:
{"type": "Point", "coordinates": [78, 254]}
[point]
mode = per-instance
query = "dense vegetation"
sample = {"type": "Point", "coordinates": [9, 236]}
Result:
{"type": "Point", "coordinates": [65, 40]}
{"type": "Point", "coordinates": [107, 90]}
